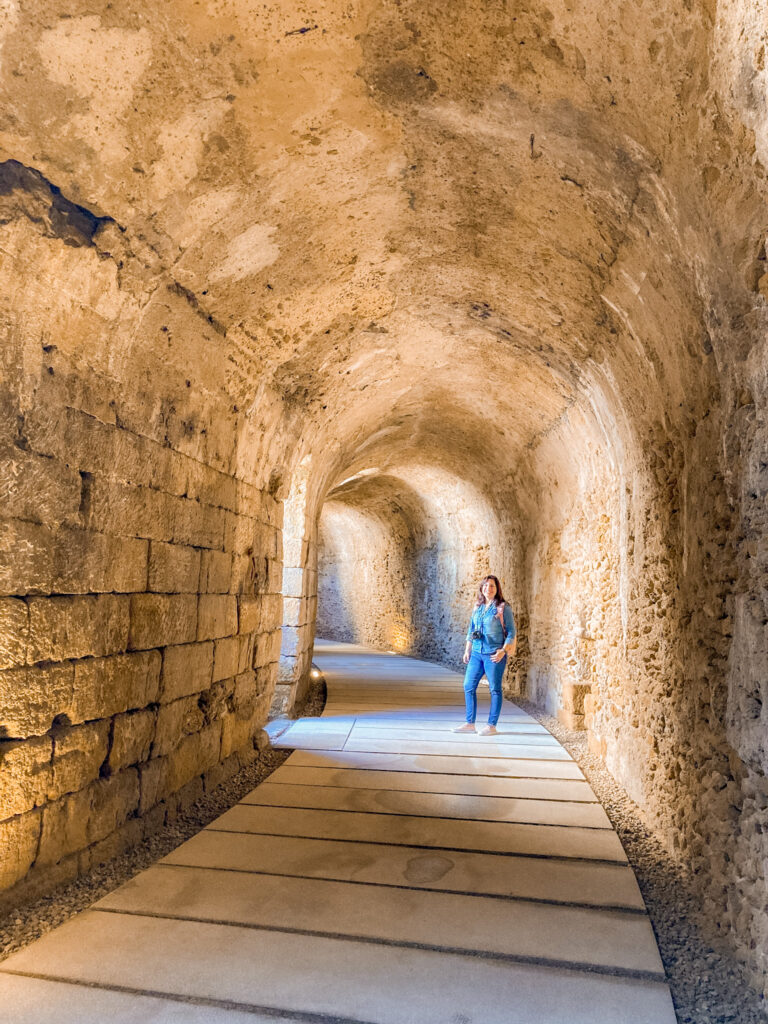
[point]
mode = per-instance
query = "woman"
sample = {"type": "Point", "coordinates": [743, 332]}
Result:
{"type": "Point", "coordinates": [490, 638]}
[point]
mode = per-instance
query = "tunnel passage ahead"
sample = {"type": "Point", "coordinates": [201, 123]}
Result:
{"type": "Point", "coordinates": [390, 871]}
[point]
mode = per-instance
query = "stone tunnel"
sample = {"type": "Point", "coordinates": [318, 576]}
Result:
{"type": "Point", "coordinates": [313, 314]}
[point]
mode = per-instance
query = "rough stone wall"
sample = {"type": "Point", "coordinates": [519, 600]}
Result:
{"type": "Point", "coordinates": [140, 575]}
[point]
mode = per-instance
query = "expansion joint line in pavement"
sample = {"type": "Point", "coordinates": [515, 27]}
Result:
{"type": "Point", "coordinates": [608, 908]}
{"type": "Point", "coordinates": [436, 849]}
{"type": "Point", "coordinates": [375, 940]}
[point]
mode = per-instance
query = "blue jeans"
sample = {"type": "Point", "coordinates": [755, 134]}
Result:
{"type": "Point", "coordinates": [479, 665]}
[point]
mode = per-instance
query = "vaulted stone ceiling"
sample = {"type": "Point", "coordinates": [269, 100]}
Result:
{"type": "Point", "coordinates": [419, 215]}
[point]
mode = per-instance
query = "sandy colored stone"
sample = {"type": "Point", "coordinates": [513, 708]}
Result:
{"type": "Point", "coordinates": [19, 837]}
{"type": "Point", "coordinates": [25, 774]}
{"type": "Point", "coordinates": [175, 721]}
{"type": "Point", "coordinates": [215, 572]}
{"type": "Point", "coordinates": [78, 755]}
{"type": "Point", "coordinates": [217, 616]}
{"type": "Point", "coordinates": [267, 649]}
{"type": "Point", "coordinates": [36, 488]}
{"type": "Point", "coordinates": [477, 290]}
{"type": "Point", "coordinates": [226, 658]}
{"type": "Point", "coordinates": [198, 524]}
{"type": "Point", "coordinates": [173, 568]}
{"type": "Point", "coordinates": [124, 509]}
{"type": "Point", "coordinates": [77, 627]}
{"type": "Point", "coordinates": [40, 559]}
{"type": "Point", "coordinates": [239, 728]}
{"type": "Point", "coordinates": [574, 696]}
{"type": "Point", "coordinates": [105, 686]}
{"type": "Point", "coordinates": [87, 816]}
{"type": "Point", "coordinates": [250, 611]}
{"type": "Point", "coordinates": [187, 668]}
{"type": "Point", "coordinates": [132, 734]}
{"type": "Point", "coordinates": [192, 757]}
{"type": "Point", "coordinates": [570, 719]}
{"type": "Point", "coordinates": [31, 698]}
{"type": "Point", "coordinates": [160, 619]}
{"type": "Point", "coordinates": [14, 632]}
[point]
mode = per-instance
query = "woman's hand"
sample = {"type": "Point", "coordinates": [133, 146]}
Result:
{"type": "Point", "coordinates": [467, 652]}
{"type": "Point", "coordinates": [498, 655]}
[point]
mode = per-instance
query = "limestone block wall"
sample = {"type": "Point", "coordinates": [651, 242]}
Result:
{"type": "Point", "coordinates": [137, 657]}
{"type": "Point", "coordinates": [297, 640]}
{"type": "Point", "coordinates": [299, 587]}
{"type": "Point", "coordinates": [140, 573]}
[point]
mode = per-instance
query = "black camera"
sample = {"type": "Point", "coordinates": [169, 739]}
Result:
{"type": "Point", "coordinates": [477, 634]}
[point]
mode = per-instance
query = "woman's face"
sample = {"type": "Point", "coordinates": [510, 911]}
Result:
{"type": "Point", "coordinates": [489, 590]}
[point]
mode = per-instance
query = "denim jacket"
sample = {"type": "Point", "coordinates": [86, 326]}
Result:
{"type": "Point", "coordinates": [487, 619]}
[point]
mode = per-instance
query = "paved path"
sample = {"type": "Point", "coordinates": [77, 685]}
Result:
{"type": "Point", "coordinates": [390, 872]}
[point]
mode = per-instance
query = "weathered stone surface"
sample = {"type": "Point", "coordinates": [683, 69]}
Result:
{"type": "Point", "coordinates": [175, 721]}
{"type": "Point", "coordinates": [267, 649]}
{"type": "Point", "coordinates": [78, 754]}
{"type": "Point", "coordinates": [574, 695]}
{"type": "Point", "coordinates": [31, 698]}
{"type": "Point", "coordinates": [239, 728]}
{"type": "Point", "coordinates": [124, 509]}
{"type": "Point", "coordinates": [37, 489]}
{"type": "Point", "coordinates": [19, 839]}
{"type": "Point", "coordinates": [245, 691]}
{"type": "Point", "coordinates": [187, 669]}
{"type": "Point", "coordinates": [192, 757]}
{"type": "Point", "coordinates": [173, 568]}
{"type": "Point", "coordinates": [39, 560]}
{"type": "Point", "coordinates": [14, 632]}
{"type": "Point", "coordinates": [215, 572]}
{"type": "Point", "coordinates": [160, 619]}
{"type": "Point", "coordinates": [217, 616]}
{"type": "Point", "coordinates": [290, 641]}
{"type": "Point", "coordinates": [132, 734]}
{"type": "Point", "coordinates": [83, 818]}
{"type": "Point", "coordinates": [105, 686]}
{"type": "Point", "coordinates": [570, 719]}
{"type": "Point", "coordinates": [271, 612]}
{"type": "Point", "coordinates": [226, 658]}
{"type": "Point", "coordinates": [77, 627]}
{"type": "Point", "coordinates": [250, 613]}
{"type": "Point", "coordinates": [293, 611]}
{"type": "Point", "coordinates": [25, 774]}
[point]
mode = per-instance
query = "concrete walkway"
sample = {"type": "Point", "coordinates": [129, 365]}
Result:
{"type": "Point", "coordinates": [391, 872]}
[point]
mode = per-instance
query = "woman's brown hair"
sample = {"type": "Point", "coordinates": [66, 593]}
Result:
{"type": "Point", "coordinates": [498, 599]}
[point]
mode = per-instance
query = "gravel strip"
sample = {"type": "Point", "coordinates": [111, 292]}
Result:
{"type": "Point", "coordinates": [708, 986]}
{"type": "Point", "coordinates": [24, 925]}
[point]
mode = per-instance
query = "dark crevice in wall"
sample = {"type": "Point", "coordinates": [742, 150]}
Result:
{"type": "Point", "coordinates": [194, 303]}
{"type": "Point", "coordinates": [24, 190]}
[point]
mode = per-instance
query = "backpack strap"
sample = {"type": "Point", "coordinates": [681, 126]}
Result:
{"type": "Point", "coordinates": [500, 614]}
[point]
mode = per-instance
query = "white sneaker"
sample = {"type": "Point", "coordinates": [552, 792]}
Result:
{"type": "Point", "coordinates": [467, 727]}
{"type": "Point", "coordinates": [488, 730]}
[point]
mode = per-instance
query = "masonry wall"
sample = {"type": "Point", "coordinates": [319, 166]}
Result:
{"type": "Point", "coordinates": [140, 574]}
